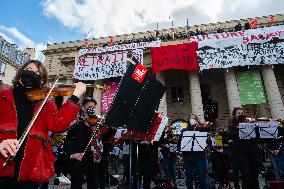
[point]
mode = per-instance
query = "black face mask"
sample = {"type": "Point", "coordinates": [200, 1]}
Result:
{"type": "Point", "coordinates": [241, 118]}
{"type": "Point", "coordinates": [30, 79]}
{"type": "Point", "coordinates": [91, 112]}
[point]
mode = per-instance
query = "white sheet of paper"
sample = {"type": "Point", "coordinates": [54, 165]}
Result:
{"type": "Point", "coordinates": [125, 148]}
{"type": "Point", "coordinates": [268, 130]}
{"type": "Point", "coordinates": [247, 130]}
{"type": "Point", "coordinates": [199, 143]}
{"type": "Point", "coordinates": [119, 132]}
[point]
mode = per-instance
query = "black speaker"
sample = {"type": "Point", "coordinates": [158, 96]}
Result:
{"type": "Point", "coordinates": [135, 103]}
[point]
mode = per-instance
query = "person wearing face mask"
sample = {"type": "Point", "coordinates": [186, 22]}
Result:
{"type": "Point", "coordinates": [77, 140]}
{"type": "Point", "coordinates": [33, 163]}
{"type": "Point", "coordinates": [243, 153]}
{"type": "Point", "coordinates": [194, 161]}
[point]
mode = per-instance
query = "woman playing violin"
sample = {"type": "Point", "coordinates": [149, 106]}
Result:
{"type": "Point", "coordinates": [84, 161]}
{"type": "Point", "coordinates": [33, 162]}
{"type": "Point", "coordinates": [194, 160]}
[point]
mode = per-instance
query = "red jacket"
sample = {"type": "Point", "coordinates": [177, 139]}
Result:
{"type": "Point", "coordinates": [37, 165]}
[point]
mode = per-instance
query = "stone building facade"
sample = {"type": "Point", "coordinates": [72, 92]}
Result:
{"type": "Point", "coordinates": [218, 85]}
{"type": "Point", "coordinates": [11, 59]}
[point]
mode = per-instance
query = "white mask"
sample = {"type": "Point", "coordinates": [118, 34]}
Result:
{"type": "Point", "coordinates": [192, 122]}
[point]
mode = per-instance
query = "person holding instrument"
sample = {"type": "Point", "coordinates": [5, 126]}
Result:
{"type": "Point", "coordinates": [31, 163]}
{"type": "Point", "coordinates": [244, 152]}
{"type": "Point", "coordinates": [85, 161]}
{"type": "Point", "coordinates": [194, 160]}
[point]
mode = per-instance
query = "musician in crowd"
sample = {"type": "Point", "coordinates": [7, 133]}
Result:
{"type": "Point", "coordinates": [33, 163]}
{"type": "Point", "coordinates": [125, 159]}
{"type": "Point", "coordinates": [84, 162]}
{"type": "Point", "coordinates": [220, 160]}
{"type": "Point", "coordinates": [276, 149]}
{"type": "Point", "coordinates": [115, 159]}
{"type": "Point", "coordinates": [169, 157]}
{"type": "Point", "coordinates": [148, 161]}
{"type": "Point", "coordinates": [194, 160]}
{"type": "Point", "coordinates": [246, 151]}
{"type": "Point", "coordinates": [107, 139]}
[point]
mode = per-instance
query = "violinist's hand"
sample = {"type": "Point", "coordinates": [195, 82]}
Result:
{"type": "Point", "coordinates": [9, 147]}
{"type": "Point", "coordinates": [77, 156]}
{"type": "Point", "coordinates": [145, 142]}
{"type": "Point", "coordinates": [167, 146]}
{"type": "Point", "coordinates": [230, 141]}
{"type": "Point", "coordinates": [275, 152]}
{"type": "Point", "coordinates": [80, 89]}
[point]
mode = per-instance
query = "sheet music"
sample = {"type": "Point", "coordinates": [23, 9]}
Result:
{"type": "Point", "coordinates": [199, 143]}
{"type": "Point", "coordinates": [247, 130]}
{"type": "Point", "coordinates": [120, 132]}
{"type": "Point", "coordinates": [268, 130]}
{"type": "Point", "coordinates": [173, 147]}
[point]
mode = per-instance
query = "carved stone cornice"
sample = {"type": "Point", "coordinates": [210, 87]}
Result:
{"type": "Point", "coordinates": [60, 50]}
{"type": "Point", "coordinates": [7, 60]}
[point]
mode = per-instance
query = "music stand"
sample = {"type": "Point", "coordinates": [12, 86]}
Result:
{"type": "Point", "coordinates": [247, 130]}
{"type": "Point", "coordinates": [193, 141]}
{"type": "Point", "coordinates": [268, 130]}
{"type": "Point", "coordinates": [134, 105]}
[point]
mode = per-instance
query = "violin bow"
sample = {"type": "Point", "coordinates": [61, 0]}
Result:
{"type": "Point", "coordinates": [31, 123]}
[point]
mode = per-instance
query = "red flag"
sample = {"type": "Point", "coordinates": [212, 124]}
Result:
{"type": "Point", "coordinates": [139, 73]}
{"type": "Point", "coordinates": [110, 41]}
{"type": "Point", "coordinates": [86, 43]}
{"type": "Point", "coordinates": [253, 23]}
{"type": "Point", "coordinates": [182, 56]}
{"type": "Point", "coordinates": [272, 20]}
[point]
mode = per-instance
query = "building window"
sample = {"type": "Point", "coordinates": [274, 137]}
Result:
{"type": "Point", "coordinates": [2, 68]}
{"type": "Point", "coordinates": [177, 94]}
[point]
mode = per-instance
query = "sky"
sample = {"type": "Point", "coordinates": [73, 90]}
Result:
{"type": "Point", "coordinates": [35, 23]}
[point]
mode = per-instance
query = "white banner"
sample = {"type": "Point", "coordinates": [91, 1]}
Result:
{"type": "Point", "coordinates": [122, 47]}
{"type": "Point", "coordinates": [161, 127]}
{"type": "Point", "coordinates": [90, 67]}
{"type": "Point", "coordinates": [138, 54]}
{"type": "Point", "coordinates": [241, 55]}
{"type": "Point", "coordinates": [226, 39]}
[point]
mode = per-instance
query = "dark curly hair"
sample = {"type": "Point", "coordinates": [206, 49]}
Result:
{"type": "Point", "coordinates": [41, 68]}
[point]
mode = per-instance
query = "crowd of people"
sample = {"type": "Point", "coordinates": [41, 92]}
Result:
{"type": "Point", "coordinates": [87, 149]}
{"type": "Point", "coordinates": [174, 35]}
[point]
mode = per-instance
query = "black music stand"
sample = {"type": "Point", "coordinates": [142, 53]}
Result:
{"type": "Point", "coordinates": [260, 131]}
{"type": "Point", "coordinates": [134, 105]}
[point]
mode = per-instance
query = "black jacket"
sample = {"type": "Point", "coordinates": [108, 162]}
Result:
{"type": "Point", "coordinates": [240, 146]}
{"type": "Point", "coordinates": [77, 139]}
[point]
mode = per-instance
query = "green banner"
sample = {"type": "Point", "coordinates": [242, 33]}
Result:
{"type": "Point", "coordinates": [250, 87]}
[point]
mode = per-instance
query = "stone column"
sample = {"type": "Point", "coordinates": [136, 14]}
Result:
{"type": "Point", "coordinates": [272, 92]}
{"type": "Point", "coordinates": [234, 99]}
{"type": "Point", "coordinates": [163, 104]}
{"type": "Point", "coordinates": [261, 111]}
{"type": "Point", "coordinates": [97, 95]}
{"type": "Point", "coordinates": [195, 93]}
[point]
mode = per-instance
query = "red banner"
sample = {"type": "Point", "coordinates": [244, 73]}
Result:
{"type": "Point", "coordinates": [108, 96]}
{"type": "Point", "coordinates": [182, 56]}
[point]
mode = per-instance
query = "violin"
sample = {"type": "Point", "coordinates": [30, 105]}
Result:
{"type": "Point", "coordinates": [93, 120]}
{"type": "Point", "coordinates": [205, 126]}
{"type": "Point", "coordinates": [60, 90]}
